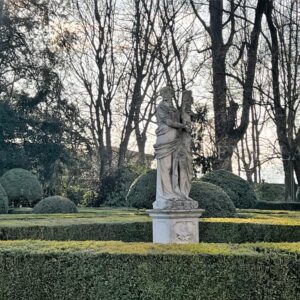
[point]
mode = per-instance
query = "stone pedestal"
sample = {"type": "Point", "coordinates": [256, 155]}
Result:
{"type": "Point", "coordinates": [175, 226]}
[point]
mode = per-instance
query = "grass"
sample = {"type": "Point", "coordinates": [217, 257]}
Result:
{"type": "Point", "coordinates": [111, 215]}
{"type": "Point", "coordinates": [116, 247]}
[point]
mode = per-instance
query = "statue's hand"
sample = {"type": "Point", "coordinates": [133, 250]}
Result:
{"type": "Point", "coordinates": [187, 128]}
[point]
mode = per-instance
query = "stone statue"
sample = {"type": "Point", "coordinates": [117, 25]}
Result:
{"type": "Point", "coordinates": [173, 153]}
{"type": "Point", "coordinates": [185, 156]}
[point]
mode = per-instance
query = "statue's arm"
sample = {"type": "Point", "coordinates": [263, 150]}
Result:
{"type": "Point", "coordinates": [164, 116]}
{"type": "Point", "coordinates": [174, 124]}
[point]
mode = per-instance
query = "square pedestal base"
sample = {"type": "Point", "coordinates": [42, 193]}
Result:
{"type": "Point", "coordinates": [175, 226]}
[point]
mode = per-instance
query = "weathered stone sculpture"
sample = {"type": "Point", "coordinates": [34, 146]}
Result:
{"type": "Point", "coordinates": [173, 153]}
{"type": "Point", "coordinates": [175, 214]}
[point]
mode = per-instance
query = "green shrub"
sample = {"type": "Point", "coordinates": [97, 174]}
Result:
{"type": "Point", "coordinates": [213, 199]}
{"type": "Point", "coordinates": [3, 201]}
{"type": "Point", "coordinates": [270, 191]}
{"type": "Point", "coordinates": [114, 187]}
{"type": "Point", "coordinates": [22, 187]}
{"type": "Point", "coordinates": [78, 195]}
{"type": "Point", "coordinates": [54, 205]}
{"type": "Point", "coordinates": [113, 270]}
{"type": "Point", "coordinates": [210, 232]}
{"type": "Point", "coordinates": [142, 192]}
{"type": "Point", "coordinates": [277, 205]}
{"type": "Point", "coordinates": [239, 190]}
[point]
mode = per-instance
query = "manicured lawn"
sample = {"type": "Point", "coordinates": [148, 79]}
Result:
{"type": "Point", "coordinates": [110, 215]}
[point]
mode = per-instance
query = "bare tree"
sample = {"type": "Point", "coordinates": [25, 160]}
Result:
{"type": "Point", "coordinates": [227, 132]}
{"type": "Point", "coordinates": [143, 77]}
{"type": "Point", "coordinates": [92, 58]}
{"type": "Point", "coordinates": [283, 23]}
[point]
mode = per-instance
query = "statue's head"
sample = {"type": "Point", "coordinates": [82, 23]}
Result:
{"type": "Point", "coordinates": [167, 93]}
{"type": "Point", "coordinates": [187, 101]}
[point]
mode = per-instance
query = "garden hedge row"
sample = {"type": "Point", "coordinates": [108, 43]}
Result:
{"type": "Point", "coordinates": [213, 232]}
{"type": "Point", "coordinates": [277, 205]}
{"type": "Point", "coordinates": [269, 191]}
{"type": "Point", "coordinates": [255, 273]}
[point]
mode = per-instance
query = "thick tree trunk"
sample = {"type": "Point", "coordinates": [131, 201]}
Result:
{"type": "Point", "coordinates": [280, 112]}
{"type": "Point", "coordinates": [226, 134]}
{"type": "Point", "coordinates": [219, 86]}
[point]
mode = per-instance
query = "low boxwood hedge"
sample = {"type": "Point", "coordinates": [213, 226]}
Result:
{"type": "Point", "coordinates": [213, 232]}
{"type": "Point", "coordinates": [277, 205]}
{"type": "Point", "coordinates": [110, 271]}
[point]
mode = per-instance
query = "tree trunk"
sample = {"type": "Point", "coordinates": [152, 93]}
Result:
{"type": "Point", "coordinates": [280, 112]}
{"type": "Point", "coordinates": [226, 134]}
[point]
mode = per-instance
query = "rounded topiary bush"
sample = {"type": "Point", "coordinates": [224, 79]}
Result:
{"type": "Point", "coordinates": [55, 205]}
{"type": "Point", "coordinates": [141, 193]}
{"type": "Point", "coordinates": [210, 197]}
{"type": "Point", "coordinates": [213, 199]}
{"type": "Point", "coordinates": [21, 187]}
{"type": "Point", "coordinates": [3, 201]}
{"type": "Point", "coordinates": [239, 190]}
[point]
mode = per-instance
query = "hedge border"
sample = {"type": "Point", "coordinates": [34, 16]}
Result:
{"type": "Point", "coordinates": [86, 274]}
{"type": "Point", "coordinates": [213, 232]}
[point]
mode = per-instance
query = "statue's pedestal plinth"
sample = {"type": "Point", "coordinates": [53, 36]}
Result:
{"type": "Point", "coordinates": [175, 226]}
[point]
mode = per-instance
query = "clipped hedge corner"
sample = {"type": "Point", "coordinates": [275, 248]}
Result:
{"type": "Point", "coordinates": [55, 205]}
{"type": "Point", "coordinates": [21, 187]}
{"type": "Point", "coordinates": [213, 199]}
{"type": "Point", "coordinates": [239, 190]}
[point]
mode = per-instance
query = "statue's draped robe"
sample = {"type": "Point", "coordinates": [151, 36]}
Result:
{"type": "Point", "coordinates": [166, 152]}
{"type": "Point", "coordinates": [185, 159]}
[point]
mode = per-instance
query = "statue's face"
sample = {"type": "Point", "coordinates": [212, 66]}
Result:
{"type": "Point", "coordinates": [167, 94]}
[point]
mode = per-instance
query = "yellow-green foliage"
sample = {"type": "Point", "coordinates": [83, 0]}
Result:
{"type": "Point", "coordinates": [116, 247]}
{"type": "Point", "coordinates": [277, 205]}
{"type": "Point", "coordinates": [114, 270]}
{"type": "Point", "coordinates": [22, 187]}
{"type": "Point", "coordinates": [3, 201]}
{"type": "Point", "coordinates": [55, 205]}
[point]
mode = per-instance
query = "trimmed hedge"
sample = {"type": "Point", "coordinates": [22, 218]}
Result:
{"type": "Point", "coordinates": [55, 205]}
{"type": "Point", "coordinates": [110, 271]}
{"type": "Point", "coordinates": [22, 187]}
{"type": "Point", "coordinates": [213, 199]}
{"type": "Point", "coordinates": [277, 205]}
{"type": "Point", "coordinates": [269, 191]}
{"type": "Point", "coordinates": [142, 192]}
{"type": "Point", "coordinates": [239, 190]}
{"type": "Point", "coordinates": [126, 232]}
{"type": "Point", "coordinates": [213, 232]}
{"type": "Point", "coordinates": [3, 201]}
